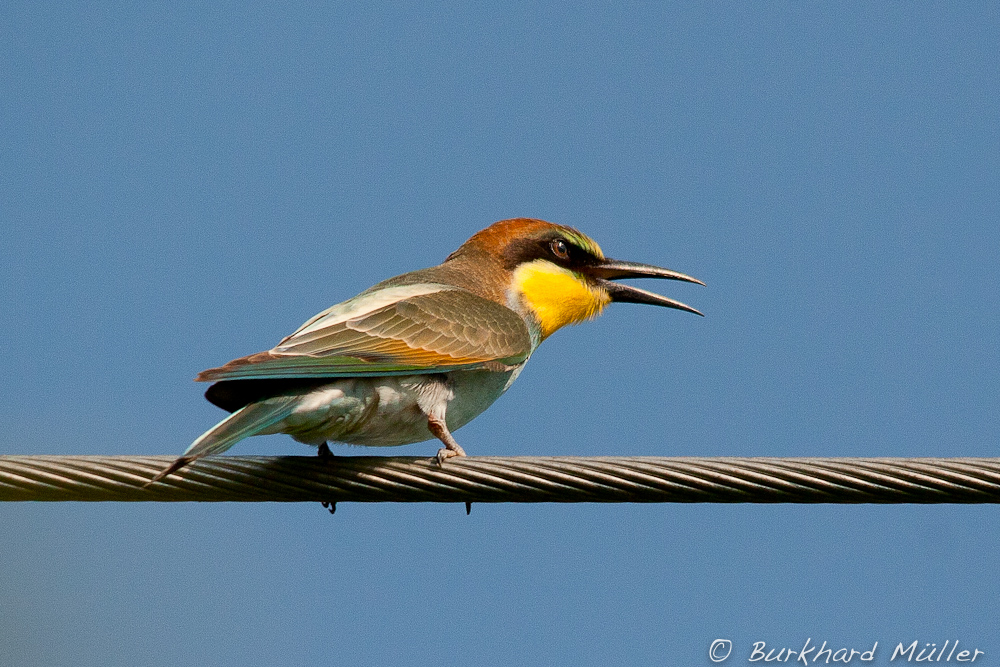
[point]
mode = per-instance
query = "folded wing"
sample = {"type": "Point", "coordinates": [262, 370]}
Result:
{"type": "Point", "coordinates": [423, 328]}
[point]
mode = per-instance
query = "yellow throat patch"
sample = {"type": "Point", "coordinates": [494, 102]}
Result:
{"type": "Point", "coordinates": [557, 296]}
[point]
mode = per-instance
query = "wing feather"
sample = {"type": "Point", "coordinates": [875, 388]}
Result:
{"type": "Point", "coordinates": [425, 328]}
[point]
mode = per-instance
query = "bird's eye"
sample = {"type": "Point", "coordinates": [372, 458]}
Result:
{"type": "Point", "coordinates": [560, 249]}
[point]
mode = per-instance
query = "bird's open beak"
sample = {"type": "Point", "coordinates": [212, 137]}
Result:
{"type": "Point", "coordinates": [613, 269]}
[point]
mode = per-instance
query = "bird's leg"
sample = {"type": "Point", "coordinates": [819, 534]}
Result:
{"type": "Point", "coordinates": [439, 430]}
{"type": "Point", "coordinates": [324, 454]}
{"type": "Point", "coordinates": [433, 395]}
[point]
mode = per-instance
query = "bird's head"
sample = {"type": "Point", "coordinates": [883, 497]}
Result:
{"type": "Point", "coordinates": [557, 276]}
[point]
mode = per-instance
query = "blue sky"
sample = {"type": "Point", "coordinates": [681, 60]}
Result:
{"type": "Point", "coordinates": [185, 184]}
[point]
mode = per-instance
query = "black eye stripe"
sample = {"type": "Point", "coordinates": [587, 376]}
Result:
{"type": "Point", "coordinates": [526, 250]}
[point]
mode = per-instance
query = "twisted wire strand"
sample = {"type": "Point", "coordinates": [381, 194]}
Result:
{"type": "Point", "coordinates": [504, 479]}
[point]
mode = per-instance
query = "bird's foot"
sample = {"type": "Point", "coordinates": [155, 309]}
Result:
{"type": "Point", "coordinates": [446, 453]}
{"type": "Point", "coordinates": [324, 452]}
{"type": "Point", "coordinates": [439, 429]}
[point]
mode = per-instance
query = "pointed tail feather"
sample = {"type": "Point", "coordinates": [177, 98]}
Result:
{"type": "Point", "coordinates": [243, 423]}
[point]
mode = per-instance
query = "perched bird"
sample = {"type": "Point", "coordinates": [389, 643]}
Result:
{"type": "Point", "coordinates": [420, 355]}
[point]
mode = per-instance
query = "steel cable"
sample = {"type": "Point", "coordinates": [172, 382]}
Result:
{"type": "Point", "coordinates": [504, 479]}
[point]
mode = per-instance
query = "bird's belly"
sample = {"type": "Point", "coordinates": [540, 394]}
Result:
{"type": "Point", "coordinates": [389, 411]}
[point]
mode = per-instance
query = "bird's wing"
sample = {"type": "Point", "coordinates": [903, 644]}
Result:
{"type": "Point", "coordinates": [422, 328]}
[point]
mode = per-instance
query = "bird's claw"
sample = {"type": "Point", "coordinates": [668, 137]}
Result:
{"type": "Point", "coordinates": [446, 453]}
{"type": "Point", "coordinates": [331, 507]}
{"type": "Point", "coordinates": [324, 452]}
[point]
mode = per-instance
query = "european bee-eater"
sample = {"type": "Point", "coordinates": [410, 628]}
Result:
{"type": "Point", "coordinates": [420, 355]}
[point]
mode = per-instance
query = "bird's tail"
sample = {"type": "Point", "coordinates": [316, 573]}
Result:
{"type": "Point", "coordinates": [243, 423]}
